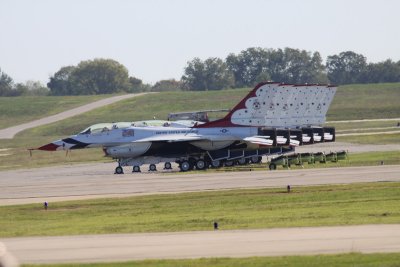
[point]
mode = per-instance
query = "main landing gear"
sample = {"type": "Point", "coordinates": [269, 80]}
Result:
{"type": "Point", "coordinates": [152, 168]}
{"type": "Point", "coordinates": [190, 164]}
{"type": "Point", "coordinates": [119, 170]}
{"type": "Point", "coordinates": [167, 166]}
{"type": "Point", "coordinates": [136, 169]}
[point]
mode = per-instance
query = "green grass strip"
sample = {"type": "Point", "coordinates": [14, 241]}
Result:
{"type": "Point", "coordinates": [353, 204]}
{"type": "Point", "coordinates": [338, 260]}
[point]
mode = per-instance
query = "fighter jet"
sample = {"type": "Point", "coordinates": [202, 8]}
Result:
{"type": "Point", "coordinates": [272, 118]}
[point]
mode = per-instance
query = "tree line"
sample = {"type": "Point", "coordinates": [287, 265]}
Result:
{"type": "Point", "coordinates": [245, 69]}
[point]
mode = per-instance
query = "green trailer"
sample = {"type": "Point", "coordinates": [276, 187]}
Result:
{"type": "Point", "coordinates": [336, 156]}
{"type": "Point", "coordinates": [320, 157]}
{"type": "Point", "coordinates": [307, 157]}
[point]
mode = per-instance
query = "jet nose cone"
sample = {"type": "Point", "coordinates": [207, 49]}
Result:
{"type": "Point", "coordinates": [49, 147]}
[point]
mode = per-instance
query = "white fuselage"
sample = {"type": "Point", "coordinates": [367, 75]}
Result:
{"type": "Point", "coordinates": [204, 138]}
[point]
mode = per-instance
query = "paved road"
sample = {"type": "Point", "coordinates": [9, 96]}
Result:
{"type": "Point", "coordinates": [10, 132]}
{"type": "Point", "coordinates": [239, 243]}
{"type": "Point", "coordinates": [86, 181]}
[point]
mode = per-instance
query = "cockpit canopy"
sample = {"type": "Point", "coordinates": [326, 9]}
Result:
{"type": "Point", "coordinates": [103, 127]}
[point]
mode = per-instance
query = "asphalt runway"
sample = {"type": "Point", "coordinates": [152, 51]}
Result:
{"type": "Point", "coordinates": [236, 243]}
{"type": "Point", "coordinates": [86, 181]}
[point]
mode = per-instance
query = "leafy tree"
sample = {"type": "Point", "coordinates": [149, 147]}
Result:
{"type": "Point", "coordinates": [385, 71]}
{"type": "Point", "coordinates": [302, 67]}
{"type": "Point", "coordinates": [249, 66]}
{"type": "Point", "coordinates": [194, 77]}
{"type": "Point", "coordinates": [167, 85]}
{"type": "Point", "coordinates": [136, 85]}
{"type": "Point", "coordinates": [254, 65]}
{"type": "Point", "coordinates": [99, 76]}
{"type": "Point", "coordinates": [60, 83]}
{"type": "Point", "coordinates": [34, 88]}
{"type": "Point", "coordinates": [212, 74]}
{"type": "Point", "coordinates": [346, 68]}
{"type": "Point", "coordinates": [6, 84]}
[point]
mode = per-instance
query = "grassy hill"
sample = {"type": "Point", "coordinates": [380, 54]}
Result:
{"type": "Point", "coordinates": [17, 110]}
{"type": "Point", "coordinates": [366, 101]}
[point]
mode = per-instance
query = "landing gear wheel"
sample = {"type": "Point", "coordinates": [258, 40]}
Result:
{"type": "Point", "coordinates": [255, 159]}
{"type": "Point", "coordinates": [216, 163]}
{"type": "Point", "coordinates": [228, 163]}
{"type": "Point", "coordinates": [119, 170]}
{"type": "Point", "coordinates": [152, 167]}
{"type": "Point", "coordinates": [272, 166]}
{"type": "Point", "coordinates": [242, 161]}
{"type": "Point", "coordinates": [136, 169]}
{"type": "Point", "coordinates": [167, 166]}
{"type": "Point", "coordinates": [201, 164]}
{"type": "Point", "coordinates": [185, 166]}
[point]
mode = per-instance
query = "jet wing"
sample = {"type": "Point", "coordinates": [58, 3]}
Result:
{"type": "Point", "coordinates": [259, 140]}
{"type": "Point", "coordinates": [186, 138]}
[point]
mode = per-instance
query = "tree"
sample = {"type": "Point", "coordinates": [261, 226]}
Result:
{"type": "Point", "coordinates": [167, 85]}
{"type": "Point", "coordinates": [255, 65]}
{"type": "Point", "coordinates": [217, 74]}
{"type": "Point", "coordinates": [346, 68]}
{"type": "Point", "coordinates": [34, 88]}
{"type": "Point", "coordinates": [249, 67]}
{"type": "Point", "coordinates": [385, 71]}
{"type": "Point", "coordinates": [6, 84]}
{"type": "Point", "coordinates": [99, 76]}
{"type": "Point", "coordinates": [60, 83]}
{"type": "Point", "coordinates": [301, 66]}
{"type": "Point", "coordinates": [136, 85]}
{"type": "Point", "coordinates": [212, 74]}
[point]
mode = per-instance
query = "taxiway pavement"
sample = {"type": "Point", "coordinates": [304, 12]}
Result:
{"type": "Point", "coordinates": [84, 181]}
{"type": "Point", "coordinates": [236, 243]}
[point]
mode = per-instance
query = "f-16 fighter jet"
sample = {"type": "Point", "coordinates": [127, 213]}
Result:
{"type": "Point", "coordinates": [272, 118]}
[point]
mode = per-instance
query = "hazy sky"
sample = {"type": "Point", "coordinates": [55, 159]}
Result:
{"type": "Point", "coordinates": [154, 39]}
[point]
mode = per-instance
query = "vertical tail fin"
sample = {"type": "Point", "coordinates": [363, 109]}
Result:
{"type": "Point", "coordinates": [272, 104]}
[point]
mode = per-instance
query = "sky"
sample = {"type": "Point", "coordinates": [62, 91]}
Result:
{"type": "Point", "coordinates": [155, 39]}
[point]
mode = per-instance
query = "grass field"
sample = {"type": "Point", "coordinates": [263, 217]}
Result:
{"type": "Point", "coordinates": [365, 101]}
{"type": "Point", "coordinates": [341, 127]}
{"type": "Point", "coordinates": [339, 260]}
{"type": "Point", "coordinates": [364, 203]}
{"type": "Point", "coordinates": [378, 139]}
{"type": "Point", "coordinates": [17, 110]}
